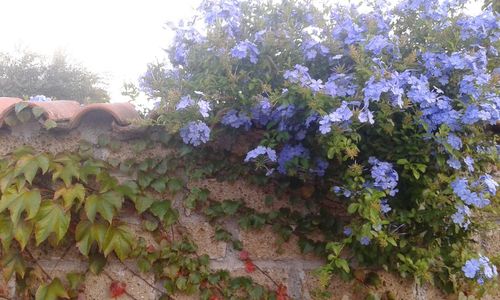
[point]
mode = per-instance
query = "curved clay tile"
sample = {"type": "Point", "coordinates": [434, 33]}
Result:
{"type": "Point", "coordinates": [122, 113]}
{"type": "Point", "coordinates": [59, 110]}
{"type": "Point", "coordinates": [7, 104]}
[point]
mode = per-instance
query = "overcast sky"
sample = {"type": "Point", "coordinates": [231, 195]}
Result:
{"type": "Point", "coordinates": [116, 38]}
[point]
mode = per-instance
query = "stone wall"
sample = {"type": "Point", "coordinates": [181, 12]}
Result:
{"type": "Point", "coordinates": [280, 262]}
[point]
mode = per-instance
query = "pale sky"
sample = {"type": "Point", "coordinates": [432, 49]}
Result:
{"type": "Point", "coordinates": [116, 38]}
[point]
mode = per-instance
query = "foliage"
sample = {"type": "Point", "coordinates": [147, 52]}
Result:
{"type": "Point", "coordinates": [387, 112]}
{"type": "Point", "coordinates": [71, 200]}
{"type": "Point", "coordinates": [26, 74]}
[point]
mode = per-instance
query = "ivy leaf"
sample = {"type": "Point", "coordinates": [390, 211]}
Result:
{"type": "Point", "coordinates": [49, 124]}
{"type": "Point", "coordinates": [174, 185]}
{"type": "Point", "coordinates": [87, 233]}
{"type": "Point", "coordinates": [159, 185]}
{"type": "Point", "coordinates": [105, 204]}
{"type": "Point", "coordinates": [120, 240]}
{"type": "Point", "coordinates": [142, 203]}
{"type": "Point", "coordinates": [117, 288]}
{"type": "Point", "coordinates": [75, 280]}
{"type": "Point", "coordinates": [13, 262]}
{"type": "Point", "coordinates": [28, 165]}
{"type": "Point", "coordinates": [51, 219]}
{"type": "Point", "coordinates": [22, 232]}
{"type": "Point", "coordinates": [20, 106]}
{"type": "Point", "coordinates": [66, 168]}
{"type": "Point", "coordinates": [70, 194]}
{"type": "Point", "coordinates": [37, 111]}
{"type": "Point", "coordinates": [97, 262]}
{"type": "Point", "coordinates": [52, 291]}
{"type": "Point", "coordinates": [28, 201]}
{"type": "Point", "coordinates": [163, 210]}
{"type": "Point", "coordinates": [6, 233]}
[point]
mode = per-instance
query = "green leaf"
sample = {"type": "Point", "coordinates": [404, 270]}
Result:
{"type": "Point", "coordinates": [120, 240]}
{"type": "Point", "coordinates": [20, 106]}
{"type": "Point", "coordinates": [17, 203]}
{"type": "Point", "coordinates": [28, 165]}
{"type": "Point", "coordinates": [75, 280]}
{"type": "Point", "coordinates": [37, 111]}
{"type": "Point", "coordinates": [163, 210]}
{"type": "Point", "coordinates": [13, 262]}
{"type": "Point", "coordinates": [175, 185]}
{"type": "Point", "coordinates": [106, 205]}
{"type": "Point", "coordinates": [142, 203]}
{"type": "Point", "coordinates": [49, 124]}
{"type": "Point", "coordinates": [70, 194]}
{"type": "Point", "coordinates": [6, 232]}
{"type": "Point", "coordinates": [66, 168]}
{"type": "Point", "coordinates": [22, 232]}
{"type": "Point", "coordinates": [52, 291]}
{"type": "Point", "coordinates": [97, 262]}
{"type": "Point", "coordinates": [51, 218]}
{"type": "Point", "coordinates": [159, 185]}
{"type": "Point", "coordinates": [87, 233]}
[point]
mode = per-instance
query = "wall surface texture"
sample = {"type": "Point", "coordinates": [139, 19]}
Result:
{"type": "Point", "coordinates": [282, 263]}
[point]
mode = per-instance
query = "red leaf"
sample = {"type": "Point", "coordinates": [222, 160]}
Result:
{"type": "Point", "coordinates": [249, 266]}
{"type": "Point", "coordinates": [213, 297]}
{"type": "Point", "coordinates": [244, 255]}
{"type": "Point", "coordinates": [117, 289]}
{"type": "Point", "coordinates": [281, 293]}
{"type": "Point", "coordinates": [151, 248]}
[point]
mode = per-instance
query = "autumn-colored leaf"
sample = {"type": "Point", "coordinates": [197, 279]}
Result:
{"type": "Point", "coordinates": [249, 266]}
{"type": "Point", "coordinates": [117, 288]}
{"type": "Point", "coordinates": [281, 293]}
{"type": "Point", "coordinates": [244, 255]}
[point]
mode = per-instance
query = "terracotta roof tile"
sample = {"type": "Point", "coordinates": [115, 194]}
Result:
{"type": "Point", "coordinates": [68, 114]}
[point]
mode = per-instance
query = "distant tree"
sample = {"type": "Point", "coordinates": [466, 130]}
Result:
{"type": "Point", "coordinates": [25, 74]}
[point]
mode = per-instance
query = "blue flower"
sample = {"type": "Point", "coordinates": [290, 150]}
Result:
{"type": "Point", "coordinates": [204, 108]}
{"type": "Point", "coordinates": [385, 177]}
{"type": "Point", "coordinates": [261, 150]}
{"type": "Point", "coordinates": [320, 167]}
{"type": "Point", "coordinates": [341, 114]}
{"type": "Point", "coordinates": [480, 269]}
{"type": "Point", "coordinates": [454, 163]}
{"type": "Point", "coordinates": [342, 191]}
{"type": "Point", "coordinates": [261, 113]}
{"type": "Point", "coordinates": [462, 189]}
{"type": "Point", "coordinates": [195, 133]}
{"type": "Point", "coordinates": [366, 116]}
{"type": "Point", "coordinates": [184, 103]}
{"type": "Point", "coordinates": [365, 241]}
{"type": "Point", "coordinates": [39, 98]}
{"type": "Point", "coordinates": [288, 153]}
{"type": "Point", "coordinates": [469, 162]}
{"type": "Point", "coordinates": [244, 49]}
{"type": "Point", "coordinates": [340, 85]}
{"type": "Point", "coordinates": [236, 120]}
{"type": "Point", "coordinates": [384, 206]}
{"type": "Point", "coordinates": [490, 183]}
{"type": "Point", "coordinates": [454, 141]}
{"type": "Point", "coordinates": [347, 231]}
{"type": "Point", "coordinates": [461, 216]}
{"type": "Point", "coordinates": [377, 44]}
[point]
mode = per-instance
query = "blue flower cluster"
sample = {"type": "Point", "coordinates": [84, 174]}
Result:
{"type": "Point", "coordinates": [384, 176]}
{"type": "Point", "coordinates": [261, 150]}
{"type": "Point", "coordinates": [226, 13]}
{"type": "Point", "coordinates": [340, 115]}
{"type": "Point", "coordinates": [195, 133]}
{"type": "Point", "coordinates": [39, 98]}
{"type": "Point", "coordinates": [246, 49]}
{"type": "Point", "coordinates": [236, 119]}
{"type": "Point", "coordinates": [288, 153]}
{"type": "Point", "coordinates": [186, 102]}
{"type": "Point", "coordinates": [480, 269]}
{"type": "Point", "coordinates": [485, 186]}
